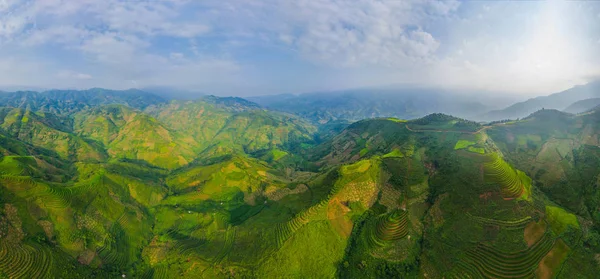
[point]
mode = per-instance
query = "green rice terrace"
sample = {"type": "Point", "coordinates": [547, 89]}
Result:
{"type": "Point", "coordinates": [221, 188]}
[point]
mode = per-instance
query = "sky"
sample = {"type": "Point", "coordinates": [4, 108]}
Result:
{"type": "Point", "coordinates": [245, 47]}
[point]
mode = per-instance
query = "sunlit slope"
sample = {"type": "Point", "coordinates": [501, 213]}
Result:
{"type": "Point", "coordinates": [508, 232]}
{"type": "Point", "coordinates": [229, 179]}
{"type": "Point", "coordinates": [175, 134]}
{"type": "Point", "coordinates": [49, 132]}
{"type": "Point", "coordinates": [100, 219]}
{"type": "Point", "coordinates": [131, 134]}
{"type": "Point", "coordinates": [560, 151]}
{"type": "Point", "coordinates": [323, 229]}
{"type": "Point", "coordinates": [199, 221]}
{"type": "Point", "coordinates": [389, 135]}
{"type": "Point", "coordinates": [259, 198]}
{"type": "Point", "coordinates": [238, 126]}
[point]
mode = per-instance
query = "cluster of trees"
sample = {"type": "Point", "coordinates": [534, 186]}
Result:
{"type": "Point", "coordinates": [502, 121]}
{"type": "Point", "coordinates": [440, 118]}
{"type": "Point", "coordinates": [435, 118]}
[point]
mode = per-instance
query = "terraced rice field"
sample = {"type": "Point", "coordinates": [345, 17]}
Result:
{"type": "Point", "coordinates": [509, 225]}
{"type": "Point", "coordinates": [160, 272]}
{"type": "Point", "coordinates": [186, 244]}
{"type": "Point", "coordinates": [389, 228]}
{"type": "Point", "coordinates": [499, 172]}
{"type": "Point", "coordinates": [488, 262]}
{"type": "Point", "coordinates": [22, 183]}
{"type": "Point", "coordinates": [24, 261]}
{"type": "Point", "coordinates": [286, 230]}
{"type": "Point", "coordinates": [45, 195]}
{"type": "Point", "coordinates": [94, 182]}
{"type": "Point", "coordinates": [114, 250]}
{"type": "Point", "coordinates": [58, 197]}
{"type": "Point", "coordinates": [227, 246]}
{"type": "Point", "coordinates": [157, 272]}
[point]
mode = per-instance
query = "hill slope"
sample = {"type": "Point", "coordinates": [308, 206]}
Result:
{"type": "Point", "coordinates": [50, 132]}
{"type": "Point", "coordinates": [255, 195]}
{"type": "Point", "coordinates": [233, 124]}
{"type": "Point", "coordinates": [131, 134]}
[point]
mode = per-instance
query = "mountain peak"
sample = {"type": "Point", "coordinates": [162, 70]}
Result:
{"type": "Point", "coordinates": [233, 103]}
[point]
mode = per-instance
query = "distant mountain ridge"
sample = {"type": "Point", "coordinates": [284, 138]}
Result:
{"type": "Point", "coordinates": [354, 105]}
{"type": "Point", "coordinates": [70, 101]}
{"type": "Point", "coordinates": [555, 101]}
{"type": "Point", "coordinates": [231, 103]}
{"type": "Point", "coordinates": [583, 105]}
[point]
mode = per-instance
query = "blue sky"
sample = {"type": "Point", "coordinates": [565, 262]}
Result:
{"type": "Point", "coordinates": [278, 46]}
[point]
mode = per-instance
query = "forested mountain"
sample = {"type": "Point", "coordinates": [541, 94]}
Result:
{"type": "Point", "coordinates": [222, 188]}
{"type": "Point", "coordinates": [69, 101]}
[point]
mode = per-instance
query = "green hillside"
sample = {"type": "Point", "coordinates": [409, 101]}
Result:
{"type": "Point", "coordinates": [50, 132]}
{"type": "Point", "coordinates": [221, 188]}
{"type": "Point", "coordinates": [131, 134]}
{"type": "Point", "coordinates": [238, 125]}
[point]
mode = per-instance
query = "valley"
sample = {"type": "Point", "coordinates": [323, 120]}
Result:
{"type": "Point", "coordinates": [224, 188]}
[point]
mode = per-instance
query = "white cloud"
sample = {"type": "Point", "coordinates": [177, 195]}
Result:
{"type": "Point", "coordinates": [66, 74]}
{"type": "Point", "coordinates": [176, 55]}
{"type": "Point", "coordinates": [60, 34]}
{"type": "Point", "coordinates": [62, 21]}
{"type": "Point", "coordinates": [186, 30]}
{"type": "Point", "coordinates": [356, 34]}
{"type": "Point", "coordinates": [113, 48]}
{"type": "Point", "coordinates": [112, 37]}
{"type": "Point", "coordinates": [338, 33]}
{"type": "Point", "coordinates": [150, 18]}
{"type": "Point", "coordinates": [515, 46]}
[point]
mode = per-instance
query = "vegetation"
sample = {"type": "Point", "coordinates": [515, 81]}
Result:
{"type": "Point", "coordinates": [221, 188]}
{"type": "Point", "coordinates": [461, 144]}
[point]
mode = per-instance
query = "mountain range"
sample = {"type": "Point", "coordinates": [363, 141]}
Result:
{"type": "Point", "coordinates": [354, 105]}
{"type": "Point", "coordinates": [566, 100]}
{"type": "Point", "coordinates": [107, 184]}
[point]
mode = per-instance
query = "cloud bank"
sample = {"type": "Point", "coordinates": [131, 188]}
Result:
{"type": "Point", "coordinates": [266, 47]}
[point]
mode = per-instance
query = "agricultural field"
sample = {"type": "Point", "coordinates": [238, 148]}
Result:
{"type": "Point", "coordinates": [218, 188]}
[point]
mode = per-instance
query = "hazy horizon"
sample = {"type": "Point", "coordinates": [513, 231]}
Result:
{"type": "Point", "coordinates": [249, 48]}
{"type": "Point", "coordinates": [176, 93]}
